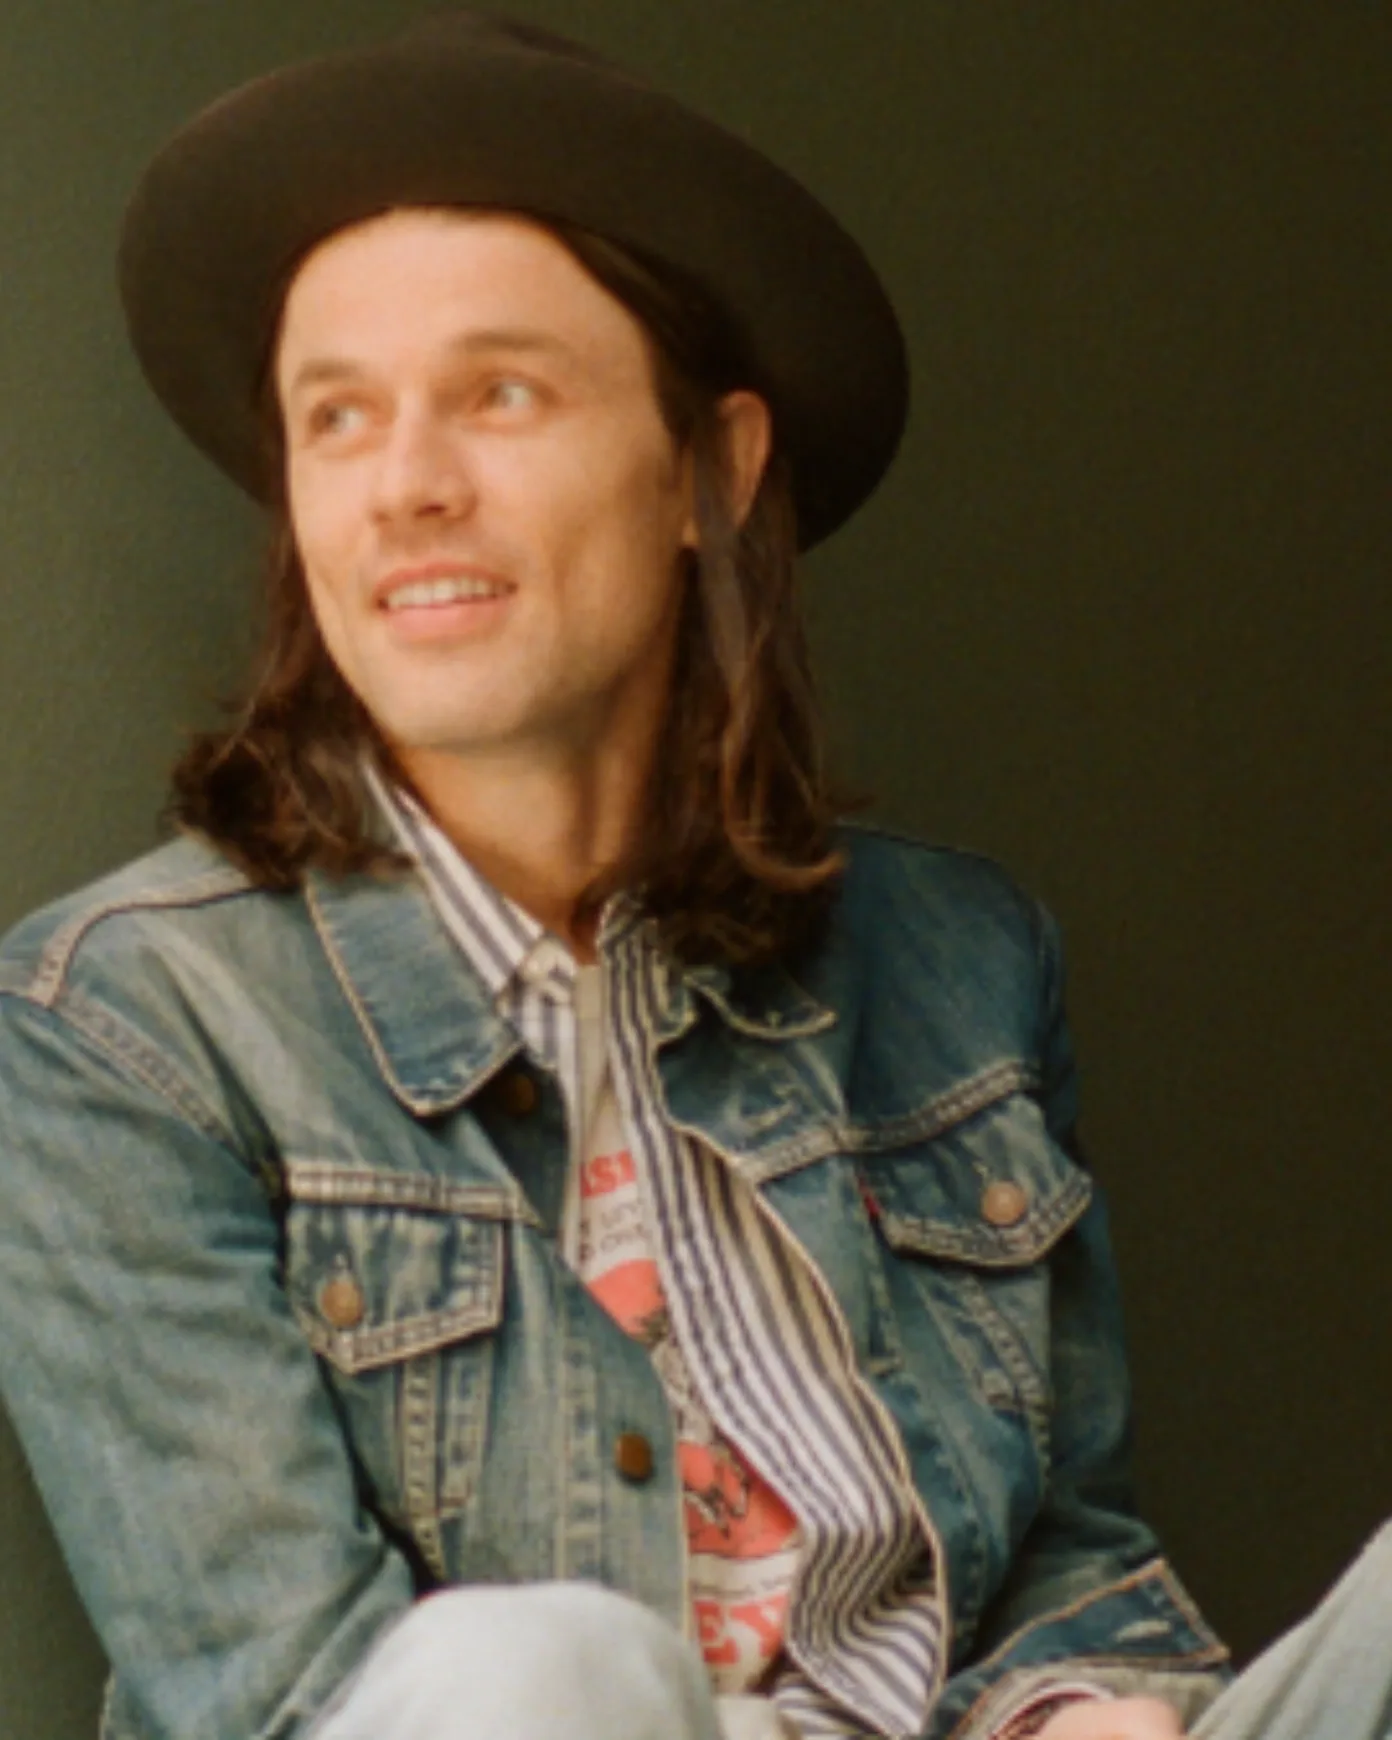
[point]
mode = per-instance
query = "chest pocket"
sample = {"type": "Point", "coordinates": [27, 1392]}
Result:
{"type": "Point", "coordinates": [396, 1280]}
{"type": "Point", "coordinates": [972, 1214]}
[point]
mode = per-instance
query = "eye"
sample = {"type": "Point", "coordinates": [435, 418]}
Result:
{"type": "Point", "coordinates": [332, 418]}
{"type": "Point", "coordinates": [509, 393]}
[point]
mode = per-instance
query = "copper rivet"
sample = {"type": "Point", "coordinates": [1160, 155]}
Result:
{"type": "Point", "coordinates": [633, 1457]}
{"type": "Point", "coordinates": [519, 1093]}
{"type": "Point", "coordinates": [1004, 1203]}
{"type": "Point", "coordinates": [341, 1302]}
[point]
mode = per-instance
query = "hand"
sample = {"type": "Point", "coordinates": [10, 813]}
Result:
{"type": "Point", "coordinates": [1115, 1719]}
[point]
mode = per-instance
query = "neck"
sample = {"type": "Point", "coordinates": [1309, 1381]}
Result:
{"type": "Point", "coordinates": [541, 832]}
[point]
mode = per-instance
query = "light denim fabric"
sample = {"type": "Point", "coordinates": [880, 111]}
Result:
{"type": "Point", "coordinates": [532, 1663]}
{"type": "Point", "coordinates": [529, 1664]}
{"type": "Point", "coordinates": [225, 1112]}
{"type": "Point", "coordinates": [1328, 1679]}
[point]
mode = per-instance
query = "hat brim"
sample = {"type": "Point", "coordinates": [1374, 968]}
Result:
{"type": "Point", "coordinates": [232, 205]}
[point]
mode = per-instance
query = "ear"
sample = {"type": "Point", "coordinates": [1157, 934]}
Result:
{"type": "Point", "coordinates": [746, 439]}
{"type": "Point", "coordinates": [747, 435]}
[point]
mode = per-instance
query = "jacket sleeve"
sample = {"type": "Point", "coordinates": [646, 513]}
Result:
{"type": "Point", "coordinates": [178, 1428]}
{"type": "Point", "coordinates": [1088, 1598]}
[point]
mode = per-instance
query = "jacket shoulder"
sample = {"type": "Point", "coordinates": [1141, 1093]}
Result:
{"type": "Point", "coordinates": [941, 970]}
{"type": "Point", "coordinates": [102, 923]}
{"type": "Point", "coordinates": [894, 885]}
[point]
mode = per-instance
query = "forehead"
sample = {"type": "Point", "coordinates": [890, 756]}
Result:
{"type": "Point", "coordinates": [413, 279]}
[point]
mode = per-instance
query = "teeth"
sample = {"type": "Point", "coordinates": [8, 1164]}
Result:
{"type": "Point", "coordinates": [426, 592]}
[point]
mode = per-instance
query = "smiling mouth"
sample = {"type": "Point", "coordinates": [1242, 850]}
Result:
{"type": "Point", "coordinates": [432, 594]}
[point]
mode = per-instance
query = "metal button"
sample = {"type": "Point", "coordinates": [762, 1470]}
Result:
{"type": "Point", "coordinates": [633, 1457]}
{"type": "Point", "coordinates": [518, 1093]}
{"type": "Point", "coordinates": [341, 1302]}
{"type": "Point", "coordinates": [1004, 1203]}
{"type": "Point", "coordinates": [545, 958]}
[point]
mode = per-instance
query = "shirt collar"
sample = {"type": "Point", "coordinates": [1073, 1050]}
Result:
{"type": "Point", "coordinates": [503, 943]}
{"type": "Point", "coordinates": [508, 948]}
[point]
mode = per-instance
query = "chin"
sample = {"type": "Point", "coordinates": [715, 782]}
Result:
{"type": "Point", "coordinates": [421, 721]}
{"type": "Point", "coordinates": [435, 736]}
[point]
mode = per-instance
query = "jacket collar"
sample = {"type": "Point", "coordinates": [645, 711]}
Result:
{"type": "Point", "coordinates": [431, 1021]}
{"type": "Point", "coordinates": [427, 1015]}
{"type": "Point", "coordinates": [762, 1002]}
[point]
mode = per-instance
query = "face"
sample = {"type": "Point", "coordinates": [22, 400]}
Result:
{"type": "Point", "coordinates": [489, 508]}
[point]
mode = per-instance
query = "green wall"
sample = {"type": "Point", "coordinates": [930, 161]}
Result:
{"type": "Point", "coordinates": [1120, 617]}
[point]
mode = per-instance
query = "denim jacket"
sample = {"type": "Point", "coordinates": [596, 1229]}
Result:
{"type": "Point", "coordinates": [288, 1338]}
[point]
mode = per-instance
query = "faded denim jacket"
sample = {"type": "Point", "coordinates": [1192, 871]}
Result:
{"type": "Point", "coordinates": [288, 1339]}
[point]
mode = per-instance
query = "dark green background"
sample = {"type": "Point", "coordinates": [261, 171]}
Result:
{"type": "Point", "coordinates": [1119, 617]}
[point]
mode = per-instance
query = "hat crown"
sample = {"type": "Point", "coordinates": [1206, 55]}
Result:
{"type": "Point", "coordinates": [465, 29]}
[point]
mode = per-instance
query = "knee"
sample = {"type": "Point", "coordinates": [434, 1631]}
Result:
{"type": "Point", "coordinates": [532, 1660]}
{"type": "Point", "coordinates": [560, 1626]}
{"type": "Point", "coordinates": [1378, 1552]}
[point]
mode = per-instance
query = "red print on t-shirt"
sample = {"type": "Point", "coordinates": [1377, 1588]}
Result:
{"type": "Point", "coordinates": [742, 1537]}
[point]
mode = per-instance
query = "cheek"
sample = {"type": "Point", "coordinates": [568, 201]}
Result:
{"type": "Point", "coordinates": [629, 510]}
{"type": "Point", "coordinates": [323, 534]}
{"type": "Point", "coordinates": [334, 630]}
{"type": "Point", "coordinates": [326, 554]}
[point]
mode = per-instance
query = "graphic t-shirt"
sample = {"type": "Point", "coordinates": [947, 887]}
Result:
{"type": "Point", "coordinates": [743, 1539]}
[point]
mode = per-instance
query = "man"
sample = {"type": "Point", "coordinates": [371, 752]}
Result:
{"type": "Point", "coordinates": [513, 1149]}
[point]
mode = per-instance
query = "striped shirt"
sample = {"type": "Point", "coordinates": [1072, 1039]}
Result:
{"type": "Point", "coordinates": [765, 1343]}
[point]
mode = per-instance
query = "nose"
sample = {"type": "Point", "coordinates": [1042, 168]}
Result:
{"type": "Point", "coordinates": [422, 471]}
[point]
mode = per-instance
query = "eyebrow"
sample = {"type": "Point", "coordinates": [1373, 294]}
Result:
{"type": "Point", "coordinates": [317, 371]}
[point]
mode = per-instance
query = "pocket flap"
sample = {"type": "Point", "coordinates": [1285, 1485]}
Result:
{"type": "Point", "coordinates": [382, 1266]}
{"type": "Point", "coordinates": [995, 1191]}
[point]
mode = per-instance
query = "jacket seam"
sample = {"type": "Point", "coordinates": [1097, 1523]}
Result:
{"type": "Point", "coordinates": [1186, 1663]}
{"type": "Point", "coordinates": [1154, 1571]}
{"type": "Point", "coordinates": [942, 1113]}
{"type": "Point", "coordinates": [328, 1182]}
{"type": "Point", "coordinates": [1006, 1247]}
{"type": "Point", "coordinates": [126, 1051]}
{"type": "Point", "coordinates": [55, 961]}
{"type": "Point", "coordinates": [422, 1100]}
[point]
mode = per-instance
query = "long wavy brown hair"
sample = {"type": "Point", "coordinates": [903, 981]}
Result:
{"type": "Point", "coordinates": [735, 858]}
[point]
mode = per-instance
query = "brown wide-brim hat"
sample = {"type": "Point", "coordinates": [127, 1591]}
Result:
{"type": "Point", "coordinates": [466, 110]}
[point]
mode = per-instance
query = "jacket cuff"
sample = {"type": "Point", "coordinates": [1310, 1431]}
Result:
{"type": "Point", "coordinates": [1041, 1705]}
